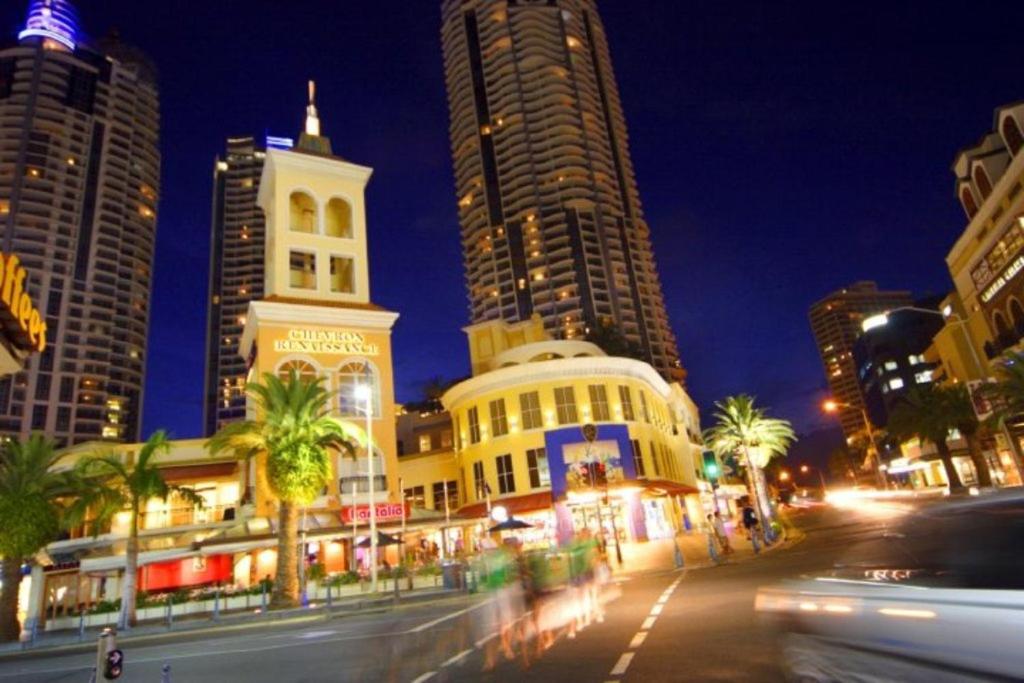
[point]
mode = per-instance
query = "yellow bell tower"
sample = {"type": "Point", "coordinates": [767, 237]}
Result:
{"type": "Point", "coordinates": [316, 316]}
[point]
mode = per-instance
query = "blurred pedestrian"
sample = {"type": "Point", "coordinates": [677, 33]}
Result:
{"type": "Point", "coordinates": [713, 543]}
{"type": "Point", "coordinates": [750, 523]}
{"type": "Point", "coordinates": [722, 533]}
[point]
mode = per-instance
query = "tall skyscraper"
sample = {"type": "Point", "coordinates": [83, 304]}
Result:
{"type": "Point", "coordinates": [79, 184]}
{"type": "Point", "coordinates": [548, 203]}
{"type": "Point", "coordinates": [836, 323]}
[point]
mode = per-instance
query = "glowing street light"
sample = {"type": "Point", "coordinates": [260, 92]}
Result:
{"type": "Point", "coordinates": [833, 406]}
{"type": "Point", "coordinates": [783, 475]}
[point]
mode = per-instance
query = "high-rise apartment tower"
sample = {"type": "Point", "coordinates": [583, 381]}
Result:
{"type": "Point", "coordinates": [79, 184]}
{"type": "Point", "coordinates": [548, 203]}
{"type": "Point", "coordinates": [836, 323]}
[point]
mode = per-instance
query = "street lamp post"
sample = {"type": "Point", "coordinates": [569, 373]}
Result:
{"type": "Point", "coordinates": [832, 406]}
{"type": "Point", "coordinates": [365, 393]}
{"type": "Point", "coordinates": [821, 477]}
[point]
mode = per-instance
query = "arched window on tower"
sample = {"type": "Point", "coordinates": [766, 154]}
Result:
{"type": "Point", "coordinates": [338, 218]}
{"type": "Point", "coordinates": [303, 212]}
{"type": "Point", "coordinates": [1004, 338]}
{"type": "Point", "coordinates": [304, 369]}
{"type": "Point", "coordinates": [967, 199]}
{"type": "Point", "coordinates": [1012, 135]}
{"type": "Point", "coordinates": [982, 182]}
{"type": "Point", "coordinates": [352, 375]}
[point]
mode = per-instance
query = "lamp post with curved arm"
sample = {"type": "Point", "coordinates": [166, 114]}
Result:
{"type": "Point", "coordinates": [833, 406]}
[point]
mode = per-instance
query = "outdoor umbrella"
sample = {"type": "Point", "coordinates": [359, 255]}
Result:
{"type": "Point", "coordinates": [382, 539]}
{"type": "Point", "coordinates": [510, 524]}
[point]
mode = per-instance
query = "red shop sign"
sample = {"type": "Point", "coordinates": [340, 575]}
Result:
{"type": "Point", "coordinates": [386, 512]}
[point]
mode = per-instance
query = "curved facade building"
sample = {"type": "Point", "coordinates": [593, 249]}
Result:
{"type": "Point", "coordinates": [79, 184]}
{"type": "Point", "coordinates": [518, 427]}
{"type": "Point", "coordinates": [548, 204]}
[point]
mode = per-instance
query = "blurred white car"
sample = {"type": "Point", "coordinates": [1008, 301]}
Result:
{"type": "Point", "coordinates": [938, 598]}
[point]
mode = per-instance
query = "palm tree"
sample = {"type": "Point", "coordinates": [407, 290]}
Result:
{"type": "Point", "coordinates": [929, 413]}
{"type": "Point", "coordinates": [962, 411]}
{"type": "Point", "coordinates": [746, 430]}
{"type": "Point", "coordinates": [121, 485]}
{"type": "Point", "coordinates": [1008, 390]}
{"type": "Point", "coordinates": [32, 499]}
{"type": "Point", "coordinates": [294, 431]}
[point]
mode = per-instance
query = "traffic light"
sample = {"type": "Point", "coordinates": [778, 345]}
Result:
{"type": "Point", "coordinates": [711, 469]}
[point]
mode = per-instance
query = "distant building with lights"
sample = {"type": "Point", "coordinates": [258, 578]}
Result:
{"type": "Point", "coordinates": [79, 187]}
{"type": "Point", "coordinates": [836, 323]}
{"type": "Point", "coordinates": [548, 203]}
{"type": "Point", "coordinates": [236, 273]}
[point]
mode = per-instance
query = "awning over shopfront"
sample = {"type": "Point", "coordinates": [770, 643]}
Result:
{"type": "Point", "coordinates": [116, 562]}
{"type": "Point", "coordinates": [670, 488]}
{"type": "Point", "coordinates": [515, 505]}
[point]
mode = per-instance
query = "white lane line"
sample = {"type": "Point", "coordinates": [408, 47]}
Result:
{"type": "Point", "coordinates": [623, 664]}
{"type": "Point", "coordinates": [638, 640]}
{"type": "Point", "coordinates": [486, 639]}
{"type": "Point", "coordinates": [648, 623]}
{"type": "Point", "coordinates": [316, 634]}
{"type": "Point", "coordinates": [656, 610]}
{"type": "Point", "coordinates": [663, 599]}
{"type": "Point", "coordinates": [435, 622]}
{"type": "Point", "coordinates": [457, 658]}
{"type": "Point", "coordinates": [424, 677]}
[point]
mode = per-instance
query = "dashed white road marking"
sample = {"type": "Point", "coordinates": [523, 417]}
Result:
{"type": "Point", "coordinates": [623, 664]}
{"type": "Point", "coordinates": [457, 658]}
{"type": "Point", "coordinates": [638, 640]}
{"type": "Point", "coordinates": [656, 610]}
{"type": "Point", "coordinates": [316, 634]}
{"type": "Point", "coordinates": [648, 623]}
{"type": "Point", "coordinates": [424, 677]}
{"type": "Point", "coordinates": [435, 622]}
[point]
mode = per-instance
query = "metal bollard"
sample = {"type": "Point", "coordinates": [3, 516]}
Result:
{"type": "Point", "coordinates": [216, 604]}
{"type": "Point", "coordinates": [678, 556]}
{"type": "Point", "coordinates": [329, 600]}
{"type": "Point", "coordinates": [106, 642]}
{"type": "Point", "coordinates": [170, 612]}
{"type": "Point", "coordinates": [165, 674]}
{"type": "Point", "coordinates": [81, 625]}
{"type": "Point", "coordinates": [263, 598]}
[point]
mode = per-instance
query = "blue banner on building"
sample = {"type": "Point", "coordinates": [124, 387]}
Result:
{"type": "Point", "coordinates": [577, 465]}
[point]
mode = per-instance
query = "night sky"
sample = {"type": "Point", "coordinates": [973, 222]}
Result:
{"type": "Point", "coordinates": [782, 151]}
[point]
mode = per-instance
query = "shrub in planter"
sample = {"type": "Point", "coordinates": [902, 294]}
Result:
{"type": "Point", "coordinates": [343, 579]}
{"type": "Point", "coordinates": [105, 607]}
{"type": "Point", "coordinates": [317, 572]}
{"type": "Point", "coordinates": [429, 570]}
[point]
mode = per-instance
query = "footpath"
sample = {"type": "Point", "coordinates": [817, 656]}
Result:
{"type": "Point", "coordinates": [75, 642]}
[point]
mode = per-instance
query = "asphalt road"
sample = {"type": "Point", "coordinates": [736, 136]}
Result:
{"type": "Point", "coordinates": [697, 625]}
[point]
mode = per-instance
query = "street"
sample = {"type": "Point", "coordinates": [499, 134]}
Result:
{"type": "Point", "coordinates": [694, 625]}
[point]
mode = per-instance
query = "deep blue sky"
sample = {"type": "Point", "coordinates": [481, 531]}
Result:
{"type": "Point", "coordinates": [782, 151]}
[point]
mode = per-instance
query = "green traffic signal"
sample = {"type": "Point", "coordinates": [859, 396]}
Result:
{"type": "Point", "coordinates": [711, 470]}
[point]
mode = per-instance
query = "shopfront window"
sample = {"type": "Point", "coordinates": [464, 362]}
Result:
{"type": "Point", "coordinates": [598, 402]}
{"type": "Point", "coordinates": [537, 462]}
{"type": "Point", "coordinates": [506, 481]}
{"type": "Point", "coordinates": [565, 405]}
{"type": "Point", "coordinates": [499, 420]}
{"type": "Point", "coordinates": [529, 410]}
{"type": "Point", "coordinates": [626, 398]}
{"type": "Point", "coordinates": [473, 417]}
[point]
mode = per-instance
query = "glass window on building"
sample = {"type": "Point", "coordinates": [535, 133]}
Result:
{"type": "Point", "coordinates": [626, 398]}
{"type": "Point", "coordinates": [644, 413]}
{"type": "Point", "coordinates": [479, 483]}
{"type": "Point", "coordinates": [537, 462]}
{"type": "Point", "coordinates": [441, 489]}
{"type": "Point", "coordinates": [565, 405]}
{"type": "Point", "coordinates": [890, 365]}
{"type": "Point", "coordinates": [529, 410]}
{"type": "Point", "coordinates": [598, 403]}
{"type": "Point", "coordinates": [302, 213]}
{"type": "Point", "coordinates": [416, 497]}
{"type": "Point", "coordinates": [923, 377]}
{"type": "Point", "coordinates": [457, 434]}
{"type": "Point", "coordinates": [896, 383]}
{"type": "Point", "coordinates": [473, 418]}
{"type": "Point", "coordinates": [499, 420]}
{"type": "Point", "coordinates": [424, 443]}
{"type": "Point", "coordinates": [506, 481]}
{"type": "Point", "coordinates": [302, 270]}
{"type": "Point", "coordinates": [305, 371]}
{"type": "Point", "coordinates": [446, 438]}
{"type": "Point", "coordinates": [638, 459]}
{"type": "Point", "coordinates": [67, 389]}
{"type": "Point", "coordinates": [343, 275]}
{"type": "Point", "coordinates": [350, 376]}
{"type": "Point", "coordinates": [654, 458]}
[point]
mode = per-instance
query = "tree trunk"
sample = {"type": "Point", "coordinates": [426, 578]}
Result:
{"type": "Point", "coordinates": [757, 499]}
{"type": "Point", "coordinates": [980, 464]}
{"type": "Point", "coordinates": [286, 583]}
{"type": "Point", "coordinates": [10, 629]}
{"type": "Point", "coordinates": [955, 485]}
{"type": "Point", "coordinates": [127, 617]}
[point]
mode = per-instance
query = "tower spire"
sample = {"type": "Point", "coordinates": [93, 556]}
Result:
{"type": "Point", "coordinates": [312, 120]}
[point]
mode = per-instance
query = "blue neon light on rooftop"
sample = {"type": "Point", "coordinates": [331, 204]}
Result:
{"type": "Point", "coordinates": [274, 142]}
{"type": "Point", "coordinates": [53, 19]}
